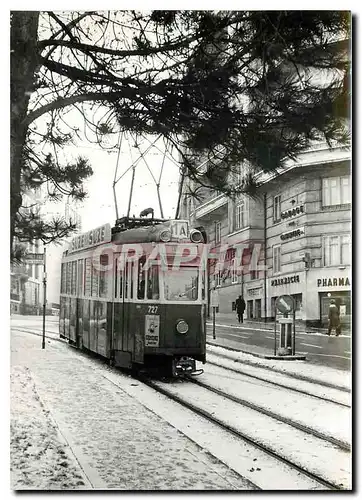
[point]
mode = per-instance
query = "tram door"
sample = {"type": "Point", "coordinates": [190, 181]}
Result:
{"type": "Point", "coordinates": [128, 298]}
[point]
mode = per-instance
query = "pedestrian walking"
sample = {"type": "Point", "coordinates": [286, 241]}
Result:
{"type": "Point", "coordinates": [240, 308]}
{"type": "Point", "coordinates": [333, 318]}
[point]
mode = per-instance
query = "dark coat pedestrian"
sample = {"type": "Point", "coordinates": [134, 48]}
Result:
{"type": "Point", "coordinates": [240, 308]}
{"type": "Point", "coordinates": [334, 322]}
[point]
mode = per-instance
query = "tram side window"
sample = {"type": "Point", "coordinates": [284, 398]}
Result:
{"type": "Point", "coordinates": [116, 279]}
{"type": "Point", "coordinates": [141, 276]}
{"type": "Point", "coordinates": [73, 290]}
{"type": "Point", "coordinates": [68, 279]}
{"type": "Point", "coordinates": [119, 279]}
{"type": "Point", "coordinates": [80, 277]}
{"type": "Point", "coordinates": [128, 285]}
{"type": "Point", "coordinates": [88, 277]}
{"type": "Point", "coordinates": [62, 279]}
{"type": "Point", "coordinates": [103, 276]}
{"type": "Point", "coordinates": [95, 281]}
{"type": "Point", "coordinates": [153, 289]}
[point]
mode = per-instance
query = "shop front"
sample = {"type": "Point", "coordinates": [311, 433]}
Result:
{"type": "Point", "coordinates": [325, 284]}
{"type": "Point", "coordinates": [254, 298]}
{"type": "Point", "coordinates": [288, 284]}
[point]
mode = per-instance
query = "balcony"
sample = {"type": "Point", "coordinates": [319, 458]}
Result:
{"type": "Point", "coordinates": [212, 207]}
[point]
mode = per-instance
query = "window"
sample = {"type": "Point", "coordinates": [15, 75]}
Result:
{"type": "Point", "coordinates": [95, 280]}
{"type": "Point", "coordinates": [234, 273]}
{"type": "Point", "coordinates": [254, 275]}
{"type": "Point", "coordinates": [218, 278]}
{"type": "Point", "coordinates": [80, 277]}
{"type": "Point", "coordinates": [238, 176]}
{"type": "Point", "coordinates": [276, 208]}
{"type": "Point", "coordinates": [337, 250]}
{"type": "Point", "coordinates": [141, 278]}
{"type": "Point", "coordinates": [240, 215]}
{"type": "Point", "coordinates": [88, 276]}
{"type": "Point", "coordinates": [73, 289]}
{"type": "Point", "coordinates": [153, 290]}
{"type": "Point", "coordinates": [62, 279]}
{"type": "Point", "coordinates": [68, 280]}
{"type": "Point", "coordinates": [217, 232]}
{"type": "Point", "coordinates": [182, 284]}
{"type": "Point", "coordinates": [118, 280]}
{"type": "Point", "coordinates": [103, 275]}
{"type": "Point", "coordinates": [276, 258]}
{"type": "Point", "coordinates": [336, 191]}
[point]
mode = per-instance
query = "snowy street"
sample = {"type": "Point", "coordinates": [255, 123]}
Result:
{"type": "Point", "coordinates": [72, 429]}
{"type": "Point", "coordinates": [76, 423]}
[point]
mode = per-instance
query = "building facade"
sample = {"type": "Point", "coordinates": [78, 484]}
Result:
{"type": "Point", "coordinates": [298, 228]}
{"type": "Point", "coordinates": [26, 279]}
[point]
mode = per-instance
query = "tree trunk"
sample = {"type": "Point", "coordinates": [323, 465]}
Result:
{"type": "Point", "coordinates": [24, 37]}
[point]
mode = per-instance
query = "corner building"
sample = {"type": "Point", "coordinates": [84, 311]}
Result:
{"type": "Point", "coordinates": [301, 219]}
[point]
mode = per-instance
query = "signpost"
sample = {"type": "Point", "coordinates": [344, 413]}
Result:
{"type": "Point", "coordinates": [214, 302]}
{"type": "Point", "coordinates": [44, 297]}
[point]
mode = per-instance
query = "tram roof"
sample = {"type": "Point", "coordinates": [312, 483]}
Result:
{"type": "Point", "coordinates": [133, 230]}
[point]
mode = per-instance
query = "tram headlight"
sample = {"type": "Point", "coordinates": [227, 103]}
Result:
{"type": "Point", "coordinates": [196, 236]}
{"type": "Point", "coordinates": [182, 327]}
{"type": "Point", "coordinates": [165, 236]}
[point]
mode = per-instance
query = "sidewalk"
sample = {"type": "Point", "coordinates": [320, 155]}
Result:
{"type": "Point", "coordinates": [231, 319]}
{"type": "Point", "coordinates": [73, 429]}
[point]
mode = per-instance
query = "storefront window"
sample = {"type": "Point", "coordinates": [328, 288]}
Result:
{"type": "Point", "coordinates": [343, 302]}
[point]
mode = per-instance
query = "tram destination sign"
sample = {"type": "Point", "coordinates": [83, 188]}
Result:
{"type": "Point", "coordinates": [101, 234]}
{"type": "Point", "coordinates": [180, 229]}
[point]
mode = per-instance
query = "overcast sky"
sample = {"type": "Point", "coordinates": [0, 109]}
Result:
{"type": "Point", "coordinates": [99, 207]}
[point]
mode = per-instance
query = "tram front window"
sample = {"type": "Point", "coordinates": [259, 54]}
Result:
{"type": "Point", "coordinates": [181, 284]}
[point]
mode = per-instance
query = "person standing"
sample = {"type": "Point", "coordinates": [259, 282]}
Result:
{"type": "Point", "coordinates": [333, 318]}
{"type": "Point", "coordinates": [240, 308]}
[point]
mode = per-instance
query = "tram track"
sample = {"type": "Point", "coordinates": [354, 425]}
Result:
{"type": "Point", "coordinates": [284, 386]}
{"type": "Point", "coordinates": [313, 432]}
{"type": "Point", "coordinates": [264, 448]}
{"type": "Point", "coordinates": [241, 435]}
{"type": "Point", "coordinates": [298, 376]}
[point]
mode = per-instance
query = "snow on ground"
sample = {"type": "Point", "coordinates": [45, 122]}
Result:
{"type": "Point", "coordinates": [309, 387]}
{"type": "Point", "coordinates": [39, 457]}
{"type": "Point", "coordinates": [301, 369]}
{"type": "Point", "coordinates": [118, 442]}
{"type": "Point", "coordinates": [298, 408]}
{"type": "Point", "coordinates": [314, 454]}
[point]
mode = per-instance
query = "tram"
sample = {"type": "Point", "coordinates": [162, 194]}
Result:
{"type": "Point", "coordinates": [136, 294]}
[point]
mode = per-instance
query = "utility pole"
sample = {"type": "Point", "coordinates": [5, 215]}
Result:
{"type": "Point", "coordinates": [44, 296]}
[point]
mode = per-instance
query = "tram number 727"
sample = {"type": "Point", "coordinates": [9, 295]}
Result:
{"type": "Point", "coordinates": [152, 309]}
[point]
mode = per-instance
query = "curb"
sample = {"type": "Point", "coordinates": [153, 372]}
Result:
{"type": "Point", "coordinates": [265, 328]}
{"type": "Point", "coordinates": [278, 370]}
{"type": "Point", "coordinates": [263, 356]}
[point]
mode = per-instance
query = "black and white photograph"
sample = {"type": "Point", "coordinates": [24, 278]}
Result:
{"type": "Point", "coordinates": [180, 224]}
